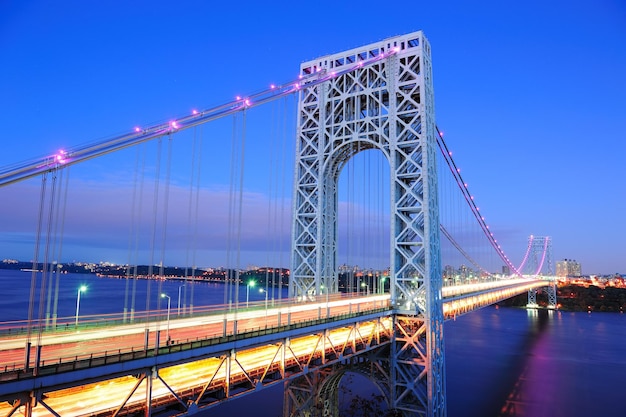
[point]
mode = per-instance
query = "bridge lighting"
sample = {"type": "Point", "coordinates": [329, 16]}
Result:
{"type": "Point", "coordinates": [247, 102]}
{"type": "Point", "coordinates": [194, 112]}
{"type": "Point", "coordinates": [396, 49]}
{"type": "Point", "coordinates": [82, 288]}
{"type": "Point", "coordinates": [60, 157]}
{"type": "Point", "coordinates": [174, 124]}
{"type": "Point", "coordinates": [272, 86]}
{"type": "Point", "coordinates": [167, 334]}
{"type": "Point", "coordinates": [137, 129]}
{"type": "Point", "coordinates": [250, 283]}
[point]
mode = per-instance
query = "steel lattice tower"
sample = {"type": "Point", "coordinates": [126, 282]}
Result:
{"type": "Point", "coordinates": [539, 263]}
{"type": "Point", "coordinates": [386, 104]}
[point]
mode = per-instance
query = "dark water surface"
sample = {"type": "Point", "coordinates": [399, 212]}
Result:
{"type": "Point", "coordinates": [513, 362]}
{"type": "Point", "coordinates": [499, 361]}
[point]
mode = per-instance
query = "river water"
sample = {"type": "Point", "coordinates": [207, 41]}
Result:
{"type": "Point", "coordinates": [499, 361]}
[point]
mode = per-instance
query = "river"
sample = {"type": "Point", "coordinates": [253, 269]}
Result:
{"type": "Point", "coordinates": [499, 361]}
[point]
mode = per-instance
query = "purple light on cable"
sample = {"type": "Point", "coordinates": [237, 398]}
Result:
{"type": "Point", "coordinates": [174, 125]}
{"type": "Point", "coordinates": [272, 86]}
{"type": "Point", "coordinates": [247, 102]}
{"type": "Point", "coordinates": [238, 98]}
{"type": "Point", "coordinates": [194, 112]}
{"type": "Point", "coordinates": [137, 129]}
{"type": "Point", "coordinates": [60, 157]}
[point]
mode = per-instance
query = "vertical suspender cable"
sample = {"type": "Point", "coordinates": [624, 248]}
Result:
{"type": "Point", "coordinates": [166, 198]}
{"type": "Point", "coordinates": [46, 259]}
{"type": "Point", "coordinates": [195, 233]}
{"type": "Point", "coordinates": [271, 227]}
{"type": "Point", "coordinates": [283, 176]}
{"type": "Point", "coordinates": [60, 255]}
{"type": "Point", "coordinates": [155, 205]}
{"type": "Point", "coordinates": [189, 214]}
{"type": "Point", "coordinates": [240, 203]}
{"type": "Point", "coordinates": [230, 276]}
{"type": "Point", "coordinates": [33, 279]}
{"type": "Point", "coordinates": [137, 215]}
{"type": "Point", "coordinates": [131, 235]}
{"type": "Point", "coordinates": [52, 265]}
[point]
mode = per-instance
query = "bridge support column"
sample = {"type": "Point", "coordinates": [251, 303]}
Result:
{"type": "Point", "coordinates": [552, 302]}
{"type": "Point", "coordinates": [532, 299]}
{"type": "Point", "coordinates": [150, 374]}
{"type": "Point", "coordinates": [301, 399]}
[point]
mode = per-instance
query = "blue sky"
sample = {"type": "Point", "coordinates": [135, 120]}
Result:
{"type": "Point", "coordinates": [530, 95]}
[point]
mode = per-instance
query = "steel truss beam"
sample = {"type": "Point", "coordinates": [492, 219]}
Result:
{"type": "Point", "coordinates": [387, 106]}
{"type": "Point", "coordinates": [195, 385]}
{"type": "Point", "coordinates": [538, 263]}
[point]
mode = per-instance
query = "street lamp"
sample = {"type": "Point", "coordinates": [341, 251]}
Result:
{"type": "Point", "coordinates": [367, 288]}
{"type": "Point", "coordinates": [382, 285]}
{"type": "Point", "coordinates": [82, 288]}
{"type": "Point", "coordinates": [251, 283]}
{"type": "Point", "coordinates": [262, 290]}
{"type": "Point", "coordinates": [167, 335]}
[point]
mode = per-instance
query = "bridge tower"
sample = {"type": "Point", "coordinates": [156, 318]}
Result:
{"type": "Point", "coordinates": [539, 263]}
{"type": "Point", "coordinates": [386, 104]}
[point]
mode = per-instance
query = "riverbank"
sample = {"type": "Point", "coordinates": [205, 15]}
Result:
{"type": "Point", "coordinates": [578, 298]}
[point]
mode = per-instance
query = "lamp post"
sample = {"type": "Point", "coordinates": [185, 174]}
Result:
{"type": "Point", "coordinates": [382, 285]}
{"type": "Point", "coordinates": [251, 283]}
{"type": "Point", "coordinates": [82, 288]}
{"type": "Point", "coordinates": [367, 288]}
{"type": "Point", "coordinates": [167, 334]}
{"type": "Point", "coordinates": [263, 291]}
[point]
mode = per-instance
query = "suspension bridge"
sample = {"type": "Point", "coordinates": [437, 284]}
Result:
{"type": "Point", "coordinates": [386, 243]}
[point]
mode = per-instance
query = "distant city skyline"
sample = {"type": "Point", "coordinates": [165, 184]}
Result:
{"type": "Point", "coordinates": [529, 96]}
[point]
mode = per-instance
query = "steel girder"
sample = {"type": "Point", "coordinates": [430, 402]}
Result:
{"type": "Point", "coordinates": [388, 106]}
{"type": "Point", "coordinates": [539, 263]}
{"type": "Point", "coordinates": [185, 388]}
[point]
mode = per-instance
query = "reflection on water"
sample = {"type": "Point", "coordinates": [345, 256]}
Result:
{"type": "Point", "coordinates": [515, 362]}
{"type": "Point", "coordinates": [536, 363]}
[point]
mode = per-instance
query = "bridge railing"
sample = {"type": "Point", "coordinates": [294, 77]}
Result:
{"type": "Point", "coordinates": [16, 371]}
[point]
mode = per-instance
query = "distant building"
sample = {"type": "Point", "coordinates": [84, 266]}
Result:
{"type": "Point", "coordinates": [568, 268]}
{"type": "Point", "coordinates": [506, 270]}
